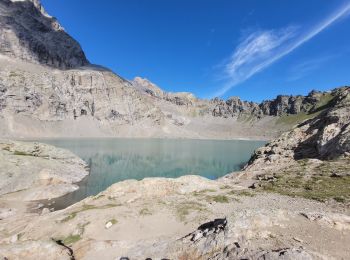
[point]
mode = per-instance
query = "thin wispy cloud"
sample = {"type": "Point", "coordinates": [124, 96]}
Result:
{"type": "Point", "coordinates": [304, 68]}
{"type": "Point", "coordinates": [261, 49]}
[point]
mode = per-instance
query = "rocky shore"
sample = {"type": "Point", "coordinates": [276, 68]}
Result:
{"type": "Point", "coordinates": [172, 219]}
{"type": "Point", "coordinates": [36, 172]}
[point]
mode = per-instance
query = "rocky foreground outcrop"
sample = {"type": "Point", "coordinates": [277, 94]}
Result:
{"type": "Point", "coordinates": [186, 218]}
{"type": "Point", "coordinates": [324, 137]}
{"type": "Point", "coordinates": [35, 171]}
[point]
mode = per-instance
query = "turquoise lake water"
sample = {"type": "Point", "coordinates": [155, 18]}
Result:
{"type": "Point", "coordinates": [114, 160]}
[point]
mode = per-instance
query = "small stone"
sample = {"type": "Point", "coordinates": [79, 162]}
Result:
{"type": "Point", "coordinates": [14, 239]}
{"type": "Point", "coordinates": [45, 211]}
{"type": "Point", "coordinates": [197, 236]}
{"type": "Point", "coordinates": [254, 186]}
{"type": "Point", "coordinates": [335, 175]}
{"type": "Point", "coordinates": [298, 239]}
{"type": "Point", "coordinates": [108, 225]}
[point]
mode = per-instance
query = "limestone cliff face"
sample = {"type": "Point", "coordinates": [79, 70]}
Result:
{"type": "Point", "coordinates": [326, 136]}
{"type": "Point", "coordinates": [55, 96]}
{"type": "Point", "coordinates": [27, 32]}
{"type": "Point", "coordinates": [280, 106]}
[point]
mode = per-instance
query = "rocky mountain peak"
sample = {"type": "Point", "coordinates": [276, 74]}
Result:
{"type": "Point", "coordinates": [28, 33]}
{"type": "Point", "coordinates": [144, 85]}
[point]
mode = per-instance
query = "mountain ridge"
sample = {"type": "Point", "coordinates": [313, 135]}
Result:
{"type": "Point", "coordinates": [47, 82]}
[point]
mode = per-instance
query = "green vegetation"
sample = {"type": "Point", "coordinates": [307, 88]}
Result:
{"type": "Point", "coordinates": [295, 119]}
{"type": "Point", "coordinates": [113, 221]}
{"type": "Point", "coordinates": [185, 208]}
{"type": "Point", "coordinates": [21, 153]}
{"type": "Point", "coordinates": [218, 198]}
{"type": "Point", "coordinates": [324, 102]}
{"type": "Point", "coordinates": [69, 217]}
{"type": "Point", "coordinates": [244, 118]}
{"type": "Point", "coordinates": [203, 192]}
{"type": "Point", "coordinates": [327, 181]}
{"type": "Point", "coordinates": [82, 227]}
{"type": "Point", "coordinates": [98, 197]}
{"type": "Point", "coordinates": [321, 188]}
{"type": "Point", "coordinates": [321, 105]}
{"type": "Point", "coordinates": [86, 207]}
{"type": "Point", "coordinates": [14, 74]}
{"type": "Point", "coordinates": [71, 239]}
{"type": "Point", "coordinates": [145, 212]}
{"type": "Point", "coordinates": [225, 187]}
{"type": "Point", "coordinates": [242, 193]}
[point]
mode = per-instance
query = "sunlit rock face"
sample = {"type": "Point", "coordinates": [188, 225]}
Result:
{"type": "Point", "coordinates": [27, 32]}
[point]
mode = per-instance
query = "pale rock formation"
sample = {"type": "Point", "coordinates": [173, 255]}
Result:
{"type": "Point", "coordinates": [34, 171]}
{"type": "Point", "coordinates": [326, 136]}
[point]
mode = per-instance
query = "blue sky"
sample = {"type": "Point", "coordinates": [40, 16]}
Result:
{"type": "Point", "coordinates": [249, 48]}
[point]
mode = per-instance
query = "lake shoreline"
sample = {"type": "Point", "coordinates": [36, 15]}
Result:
{"type": "Point", "coordinates": [28, 139]}
{"type": "Point", "coordinates": [114, 160]}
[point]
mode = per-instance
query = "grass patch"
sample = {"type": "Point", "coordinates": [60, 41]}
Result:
{"type": "Point", "coordinates": [145, 212]}
{"type": "Point", "coordinates": [295, 119]}
{"type": "Point", "coordinates": [320, 106]}
{"type": "Point", "coordinates": [87, 207]}
{"type": "Point", "coordinates": [69, 217]}
{"type": "Point", "coordinates": [14, 74]}
{"type": "Point", "coordinates": [218, 198]}
{"type": "Point", "coordinates": [82, 227]}
{"type": "Point", "coordinates": [108, 206]}
{"type": "Point", "coordinates": [113, 221]}
{"type": "Point", "coordinates": [202, 192]}
{"type": "Point", "coordinates": [98, 197]}
{"type": "Point", "coordinates": [324, 102]}
{"type": "Point", "coordinates": [225, 187]}
{"type": "Point", "coordinates": [184, 209]}
{"type": "Point", "coordinates": [20, 153]}
{"type": "Point", "coordinates": [242, 193]}
{"type": "Point", "coordinates": [318, 185]}
{"type": "Point", "coordinates": [71, 239]}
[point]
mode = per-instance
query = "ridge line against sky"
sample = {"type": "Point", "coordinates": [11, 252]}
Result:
{"type": "Point", "coordinates": [262, 48]}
